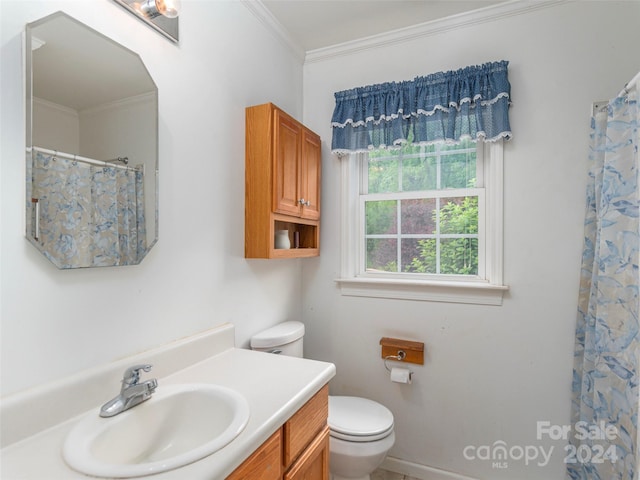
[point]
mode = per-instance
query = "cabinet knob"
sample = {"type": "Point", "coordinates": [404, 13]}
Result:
{"type": "Point", "coordinates": [304, 202]}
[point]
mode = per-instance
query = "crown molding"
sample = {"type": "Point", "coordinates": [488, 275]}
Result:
{"type": "Point", "coordinates": [141, 98]}
{"type": "Point", "coordinates": [55, 106]}
{"type": "Point", "coordinates": [274, 26]}
{"type": "Point", "coordinates": [482, 15]}
{"type": "Point", "coordinates": [118, 103]}
{"type": "Point", "coordinates": [474, 17]}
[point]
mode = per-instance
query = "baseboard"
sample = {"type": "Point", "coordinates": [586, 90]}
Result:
{"type": "Point", "coordinates": [423, 472]}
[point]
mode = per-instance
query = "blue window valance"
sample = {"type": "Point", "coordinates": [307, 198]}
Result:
{"type": "Point", "coordinates": [472, 102]}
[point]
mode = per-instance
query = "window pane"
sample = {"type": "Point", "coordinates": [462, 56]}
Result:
{"type": "Point", "coordinates": [458, 170]}
{"type": "Point", "coordinates": [417, 216]}
{"type": "Point", "coordinates": [459, 256]}
{"type": "Point", "coordinates": [428, 234]}
{"type": "Point", "coordinates": [419, 174]}
{"type": "Point", "coordinates": [452, 147]}
{"type": "Point", "coordinates": [419, 255]}
{"type": "Point", "coordinates": [383, 175]}
{"type": "Point", "coordinates": [382, 254]}
{"type": "Point", "coordinates": [381, 217]}
{"type": "Point", "coordinates": [459, 215]}
{"type": "Point", "coordinates": [408, 148]}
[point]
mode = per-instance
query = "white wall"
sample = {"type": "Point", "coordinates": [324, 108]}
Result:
{"type": "Point", "coordinates": [55, 322]}
{"type": "Point", "coordinates": [55, 127]}
{"type": "Point", "coordinates": [125, 128]}
{"type": "Point", "coordinates": [120, 129]}
{"type": "Point", "coordinates": [490, 372]}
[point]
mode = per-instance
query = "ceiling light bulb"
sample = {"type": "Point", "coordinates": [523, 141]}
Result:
{"type": "Point", "coordinates": [155, 8]}
{"type": "Point", "coordinates": [169, 8]}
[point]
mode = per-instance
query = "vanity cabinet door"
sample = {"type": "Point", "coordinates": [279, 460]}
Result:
{"type": "Point", "coordinates": [264, 464]}
{"type": "Point", "coordinates": [300, 448]}
{"type": "Point", "coordinates": [313, 464]}
{"type": "Point", "coordinates": [305, 424]}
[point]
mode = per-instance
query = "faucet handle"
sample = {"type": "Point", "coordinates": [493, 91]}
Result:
{"type": "Point", "coordinates": [131, 375]}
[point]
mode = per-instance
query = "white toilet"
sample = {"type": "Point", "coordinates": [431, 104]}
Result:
{"type": "Point", "coordinates": [361, 430]}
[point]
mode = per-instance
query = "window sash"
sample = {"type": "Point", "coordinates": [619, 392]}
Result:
{"type": "Point", "coordinates": [441, 151]}
{"type": "Point", "coordinates": [362, 236]}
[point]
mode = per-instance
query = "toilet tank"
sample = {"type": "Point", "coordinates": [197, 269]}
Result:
{"type": "Point", "coordinates": [285, 338]}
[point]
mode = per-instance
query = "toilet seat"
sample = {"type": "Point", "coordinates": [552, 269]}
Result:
{"type": "Point", "coordinates": [356, 419]}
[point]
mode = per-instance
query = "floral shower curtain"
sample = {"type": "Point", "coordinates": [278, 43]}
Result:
{"type": "Point", "coordinates": [607, 350]}
{"type": "Point", "coordinates": [88, 216]}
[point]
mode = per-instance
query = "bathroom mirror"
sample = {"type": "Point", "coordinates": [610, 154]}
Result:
{"type": "Point", "coordinates": [92, 147]}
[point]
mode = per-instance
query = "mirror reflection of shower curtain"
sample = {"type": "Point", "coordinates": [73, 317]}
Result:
{"type": "Point", "coordinates": [88, 216]}
{"type": "Point", "coordinates": [607, 347]}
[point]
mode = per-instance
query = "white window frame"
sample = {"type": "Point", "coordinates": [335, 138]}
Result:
{"type": "Point", "coordinates": [486, 289]}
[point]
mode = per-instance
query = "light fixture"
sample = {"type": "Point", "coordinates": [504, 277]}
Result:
{"type": "Point", "coordinates": [161, 15]}
{"type": "Point", "coordinates": [153, 8]}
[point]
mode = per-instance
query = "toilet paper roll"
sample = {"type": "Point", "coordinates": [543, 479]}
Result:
{"type": "Point", "coordinates": [400, 375]}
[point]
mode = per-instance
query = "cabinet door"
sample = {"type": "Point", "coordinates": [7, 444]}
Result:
{"type": "Point", "coordinates": [310, 167]}
{"type": "Point", "coordinates": [287, 147]}
{"type": "Point", "coordinates": [304, 425]}
{"type": "Point", "coordinates": [313, 464]}
{"type": "Point", "coordinates": [264, 464]}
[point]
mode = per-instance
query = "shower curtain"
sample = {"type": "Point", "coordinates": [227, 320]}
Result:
{"type": "Point", "coordinates": [604, 444]}
{"type": "Point", "coordinates": [88, 216]}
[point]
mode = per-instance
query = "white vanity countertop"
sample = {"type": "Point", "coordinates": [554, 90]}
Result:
{"type": "Point", "coordinates": [275, 386]}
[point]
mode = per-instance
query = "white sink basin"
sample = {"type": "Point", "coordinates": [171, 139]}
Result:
{"type": "Point", "coordinates": [178, 425]}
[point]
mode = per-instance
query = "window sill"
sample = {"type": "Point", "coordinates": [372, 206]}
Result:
{"type": "Point", "coordinates": [432, 291]}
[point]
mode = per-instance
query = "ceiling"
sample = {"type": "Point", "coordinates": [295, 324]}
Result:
{"type": "Point", "coordinates": [315, 24]}
{"type": "Point", "coordinates": [77, 67]}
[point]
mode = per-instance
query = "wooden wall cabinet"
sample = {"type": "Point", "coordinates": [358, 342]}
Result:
{"type": "Point", "coordinates": [282, 184]}
{"type": "Point", "coordinates": [299, 450]}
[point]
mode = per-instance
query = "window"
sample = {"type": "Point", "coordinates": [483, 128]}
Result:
{"type": "Point", "coordinates": [421, 210]}
{"type": "Point", "coordinates": [424, 223]}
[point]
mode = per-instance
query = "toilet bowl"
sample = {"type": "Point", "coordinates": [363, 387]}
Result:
{"type": "Point", "coordinates": [360, 430]}
{"type": "Point", "coordinates": [360, 436]}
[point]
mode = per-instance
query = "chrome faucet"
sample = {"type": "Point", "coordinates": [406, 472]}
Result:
{"type": "Point", "coordinates": [132, 392]}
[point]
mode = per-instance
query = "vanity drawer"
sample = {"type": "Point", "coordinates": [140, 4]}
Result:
{"type": "Point", "coordinates": [264, 463]}
{"type": "Point", "coordinates": [305, 424]}
{"type": "Point", "coordinates": [313, 464]}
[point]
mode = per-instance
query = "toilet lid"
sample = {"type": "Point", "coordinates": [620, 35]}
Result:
{"type": "Point", "coordinates": [278, 335]}
{"type": "Point", "coordinates": [358, 419]}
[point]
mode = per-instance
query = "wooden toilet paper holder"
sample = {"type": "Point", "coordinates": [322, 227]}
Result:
{"type": "Point", "coordinates": [402, 350]}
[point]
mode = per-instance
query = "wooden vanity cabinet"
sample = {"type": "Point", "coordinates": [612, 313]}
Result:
{"type": "Point", "coordinates": [313, 464]}
{"type": "Point", "coordinates": [282, 184]}
{"type": "Point", "coordinates": [264, 464]}
{"type": "Point", "coordinates": [299, 450]}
